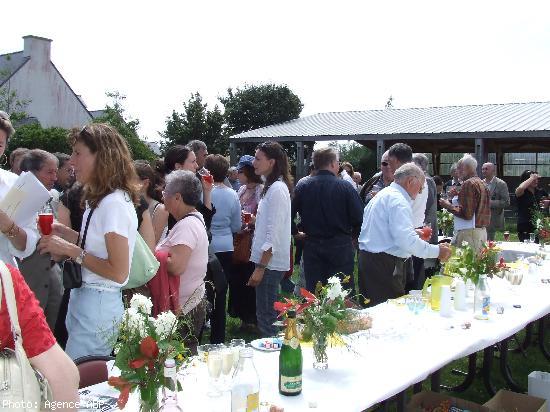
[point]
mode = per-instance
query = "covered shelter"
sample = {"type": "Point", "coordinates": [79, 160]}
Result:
{"type": "Point", "coordinates": [514, 136]}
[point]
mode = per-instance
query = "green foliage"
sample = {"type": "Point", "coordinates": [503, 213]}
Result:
{"type": "Point", "coordinates": [252, 107]}
{"type": "Point", "coordinates": [196, 122]}
{"type": "Point", "coordinates": [362, 158]}
{"type": "Point", "coordinates": [34, 136]}
{"type": "Point", "coordinates": [128, 128]}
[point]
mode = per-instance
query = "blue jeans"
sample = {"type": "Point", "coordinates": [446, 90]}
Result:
{"type": "Point", "coordinates": [266, 295]}
{"type": "Point", "coordinates": [92, 321]}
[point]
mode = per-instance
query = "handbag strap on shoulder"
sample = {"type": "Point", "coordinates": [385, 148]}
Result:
{"type": "Point", "coordinates": [7, 285]}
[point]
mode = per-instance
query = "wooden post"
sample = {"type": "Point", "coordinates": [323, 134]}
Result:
{"type": "Point", "coordinates": [299, 160]}
{"type": "Point", "coordinates": [233, 153]}
{"type": "Point", "coordinates": [481, 154]}
{"type": "Point", "coordinates": [380, 149]}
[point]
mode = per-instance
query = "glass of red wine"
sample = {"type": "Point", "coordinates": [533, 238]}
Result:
{"type": "Point", "coordinates": [206, 176]}
{"type": "Point", "coordinates": [426, 231]}
{"type": "Point", "coordinates": [246, 217]}
{"type": "Point", "coordinates": [45, 219]}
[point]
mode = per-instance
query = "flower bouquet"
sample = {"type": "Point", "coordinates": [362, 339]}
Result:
{"type": "Point", "coordinates": [144, 343]}
{"type": "Point", "coordinates": [465, 263]}
{"type": "Point", "coordinates": [445, 222]}
{"type": "Point", "coordinates": [324, 315]}
{"type": "Point", "coordinates": [541, 223]}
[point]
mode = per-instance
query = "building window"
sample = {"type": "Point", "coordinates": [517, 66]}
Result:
{"type": "Point", "coordinates": [516, 163]}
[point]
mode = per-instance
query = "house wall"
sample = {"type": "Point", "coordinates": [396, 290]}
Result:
{"type": "Point", "coordinates": [52, 101]}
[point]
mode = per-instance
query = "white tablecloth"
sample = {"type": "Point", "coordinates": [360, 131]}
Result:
{"type": "Point", "coordinates": [512, 250]}
{"type": "Point", "coordinates": [401, 349]}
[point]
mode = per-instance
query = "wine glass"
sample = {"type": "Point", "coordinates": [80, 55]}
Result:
{"type": "Point", "coordinates": [228, 356]}
{"type": "Point", "coordinates": [531, 237]}
{"type": "Point", "coordinates": [506, 236]}
{"type": "Point", "coordinates": [426, 231]}
{"type": "Point", "coordinates": [214, 363]}
{"type": "Point", "coordinates": [45, 219]}
{"type": "Point", "coordinates": [236, 345]}
{"type": "Point", "coordinates": [206, 176]}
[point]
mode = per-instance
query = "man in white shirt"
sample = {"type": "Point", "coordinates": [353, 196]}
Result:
{"type": "Point", "coordinates": [388, 238]}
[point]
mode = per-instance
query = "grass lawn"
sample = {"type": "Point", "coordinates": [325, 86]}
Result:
{"type": "Point", "coordinates": [521, 366]}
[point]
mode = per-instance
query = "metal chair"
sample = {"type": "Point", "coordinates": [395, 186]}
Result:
{"type": "Point", "coordinates": [92, 369]}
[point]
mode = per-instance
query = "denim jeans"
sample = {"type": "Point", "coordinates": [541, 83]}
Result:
{"type": "Point", "coordinates": [266, 295]}
{"type": "Point", "coordinates": [92, 321]}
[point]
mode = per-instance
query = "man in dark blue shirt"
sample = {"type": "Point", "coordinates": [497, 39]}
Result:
{"type": "Point", "coordinates": [331, 214]}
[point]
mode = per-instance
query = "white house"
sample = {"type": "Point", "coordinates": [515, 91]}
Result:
{"type": "Point", "coordinates": [33, 76]}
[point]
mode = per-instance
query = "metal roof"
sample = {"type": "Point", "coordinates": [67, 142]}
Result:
{"type": "Point", "coordinates": [511, 117]}
{"type": "Point", "coordinates": [9, 64]}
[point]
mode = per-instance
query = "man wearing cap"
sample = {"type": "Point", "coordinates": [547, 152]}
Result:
{"type": "Point", "coordinates": [232, 177]}
{"type": "Point", "coordinates": [331, 213]}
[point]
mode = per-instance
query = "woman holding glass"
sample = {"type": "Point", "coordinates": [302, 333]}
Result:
{"type": "Point", "coordinates": [15, 241]}
{"type": "Point", "coordinates": [271, 244]}
{"type": "Point", "coordinates": [529, 196]}
{"type": "Point", "coordinates": [103, 164]}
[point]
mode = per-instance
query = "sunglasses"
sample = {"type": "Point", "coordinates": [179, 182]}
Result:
{"type": "Point", "coordinates": [384, 164]}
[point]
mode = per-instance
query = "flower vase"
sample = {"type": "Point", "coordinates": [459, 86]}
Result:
{"type": "Point", "coordinates": [320, 351]}
{"type": "Point", "coordinates": [148, 398]}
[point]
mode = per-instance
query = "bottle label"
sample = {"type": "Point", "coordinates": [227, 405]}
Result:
{"type": "Point", "coordinates": [252, 402]}
{"type": "Point", "coordinates": [291, 384]}
{"type": "Point", "coordinates": [486, 305]}
{"type": "Point", "coordinates": [170, 372]}
{"type": "Point", "coordinates": [293, 342]}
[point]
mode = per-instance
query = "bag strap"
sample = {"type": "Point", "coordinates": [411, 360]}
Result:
{"type": "Point", "coordinates": [86, 228]}
{"type": "Point", "coordinates": [196, 217]}
{"type": "Point", "coordinates": [7, 284]}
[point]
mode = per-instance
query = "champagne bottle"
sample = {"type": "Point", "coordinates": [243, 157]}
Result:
{"type": "Point", "coordinates": [290, 360]}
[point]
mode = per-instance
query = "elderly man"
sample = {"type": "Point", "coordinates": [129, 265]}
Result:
{"type": "Point", "coordinates": [201, 151]}
{"type": "Point", "coordinates": [500, 198]}
{"type": "Point", "coordinates": [388, 238]}
{"type": "Point", "coordinates": [454, 181]}
{"type": "Point", "coordinates": [331, 213]}
{"type": "Point", "coordinates": [233, 178]}
{"type": "Point", "coordinates": [471, 207]}
{"type": "Point", "coordinates": [377, 182]}
{"type": "Point", "coordinates": [357, 179]}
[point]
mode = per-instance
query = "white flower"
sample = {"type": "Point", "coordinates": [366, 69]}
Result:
{"type": "Point", "coordinates": [464, 243]}
{"type": "Point", "coordinates": [335, 289]}
{"type": "Point", "coordinates": [539, 223]}
{"type": "Point", "coordinates": [135, 322]}
{"type": "Point", "coordinates": [164, 324]}
{"type": "Point", "coordinates": [333, 279]}
{"type": "Point", "coordinates": [141, 303]}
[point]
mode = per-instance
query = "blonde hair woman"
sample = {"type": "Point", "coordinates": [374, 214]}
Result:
{"type": "Point", "coordinates": [102, 163]}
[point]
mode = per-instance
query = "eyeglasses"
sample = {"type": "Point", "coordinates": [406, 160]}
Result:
{"type": "Point", "coordinates": [384, 164]}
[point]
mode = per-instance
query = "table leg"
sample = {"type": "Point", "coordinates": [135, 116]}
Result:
{"type": "Point", "coordinates": [488, 354]}
{"type": "Point", "coordinates": [470, 376]}
{"type": "Point", "coordinates": [436, 381]}
{"type": "Point", "coordinates": [527, 340]}
{"type": "Point", "coordinates": [542, 345]}
{"type": "Point", "coordinates": [505, 368]}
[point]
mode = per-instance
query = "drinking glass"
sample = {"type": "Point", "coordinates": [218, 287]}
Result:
{"type": "Point", "coordinates": [236, 345]}
{"type": "Point", "coordinates": [228, 356]}
{"type": "Point", "coordinates": [45, 219]}
{"type": "Point", "coordinates": [206, 176]}
{"type": "Point", "coordinates": [506, 236]}
{"type": "Point", "coordinates": [214, 363]}
{"type": "Point", "coordinates": [532, 237]}
{"type": "Point", "coordinates": [426, 231]}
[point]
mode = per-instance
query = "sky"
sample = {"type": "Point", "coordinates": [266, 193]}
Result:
{"type": "Point", "coordinates": [335, 55]}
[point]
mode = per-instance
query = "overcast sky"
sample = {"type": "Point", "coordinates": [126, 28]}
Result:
{"type": "Point", "coordinates": [336, 56]}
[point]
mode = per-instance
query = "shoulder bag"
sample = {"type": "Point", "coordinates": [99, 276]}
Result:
{"type": "Point", "coordinates": [21, 387]}
{"type": "Point", "coordinates": [144, 265]}
{"type": "Point", "coordinates": [72, 271]}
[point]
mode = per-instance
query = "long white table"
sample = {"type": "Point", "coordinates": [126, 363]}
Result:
{"type": "Point", "coordinates": [400, 350]}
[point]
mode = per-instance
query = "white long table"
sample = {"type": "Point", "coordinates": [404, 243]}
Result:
{"type": "Point", "coordinates": [400, 350]}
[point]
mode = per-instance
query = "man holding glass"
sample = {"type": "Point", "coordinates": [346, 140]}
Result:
{"type": "Point", "coordinates": [388, 238]}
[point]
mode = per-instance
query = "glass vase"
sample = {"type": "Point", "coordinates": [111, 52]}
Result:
{"type": "Point", "coordinates": [320, 351]}
{"type": "Point", "coordinates": [148, 398]}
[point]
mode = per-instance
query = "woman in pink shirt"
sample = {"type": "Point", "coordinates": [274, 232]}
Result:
{"type": "Point", "coordinates": [186, 242]}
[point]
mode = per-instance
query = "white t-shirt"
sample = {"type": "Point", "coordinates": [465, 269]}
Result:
{"type": "Point", "coordinates": [114, 214]}
{"type": "Point", "coordinates": [418, 206]}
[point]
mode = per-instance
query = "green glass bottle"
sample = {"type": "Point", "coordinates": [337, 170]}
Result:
{"type": "Point", "coordinates": [290, 360]}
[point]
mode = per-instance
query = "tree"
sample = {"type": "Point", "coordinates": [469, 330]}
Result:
{"type": "Point", "coordinates": [115, 115]}
{"type": "Point", "coordinates": [34, 136]}
{"type": "Point", "coordinates": [362, 158]}
{"type": "Point", "coordinates": [196, 122]}
{"type": "Point", "coordinates": [255, 106]}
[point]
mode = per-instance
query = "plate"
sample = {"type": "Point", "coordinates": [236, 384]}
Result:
{"type": "Point", "coordinates": [259, 344]}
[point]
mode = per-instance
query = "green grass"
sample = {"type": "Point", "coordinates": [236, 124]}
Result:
{"type": "Point", "coordinates": [520, 366]}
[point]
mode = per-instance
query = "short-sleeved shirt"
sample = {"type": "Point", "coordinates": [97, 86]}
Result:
{"type": "Point", "coordinates": [36, 334]}
{"type": "Point", "coordinates": [115, 213]}
{"type": "Point", "coordinates": [190, 231]}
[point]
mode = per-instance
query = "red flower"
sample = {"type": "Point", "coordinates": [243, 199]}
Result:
{"type": "Point", "coordinates": [282, 307]}
{"type": "Point", "coordinates": [307, 294]}
{"type": "Point", "coordinates": [124, 387]}
{"type": "Point", "coordinates": [491, 244]}
{"type": "Point", "coordinates": [149, 348]}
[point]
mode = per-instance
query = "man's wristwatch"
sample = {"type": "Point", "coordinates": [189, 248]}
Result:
{"type": "Point", "coordinates": [259, 265]}
{"type": "Point", "coordinates": [80, 257]}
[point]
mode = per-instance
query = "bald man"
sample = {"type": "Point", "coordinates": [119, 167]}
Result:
{"type": "Point", "coordinates": [500, 198]}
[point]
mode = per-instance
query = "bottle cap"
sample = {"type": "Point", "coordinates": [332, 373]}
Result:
{"type": "Point", "coordinates": [169, 363]}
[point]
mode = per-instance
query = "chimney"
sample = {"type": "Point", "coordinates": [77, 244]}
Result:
{"type": "Point", "coordinates": [38, 49]}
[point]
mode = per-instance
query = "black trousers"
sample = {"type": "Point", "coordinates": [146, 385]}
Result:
{"type": "Point", "coordinates": [419, 275]}
{"type": "Point", "coordinates": [242, 298]}
{"type": "Point", "coordinates": [324, 258]}
{"type": "Point", "coordinates": [381, 276]}
{"type": "Point", "coordinates": [216, 292]}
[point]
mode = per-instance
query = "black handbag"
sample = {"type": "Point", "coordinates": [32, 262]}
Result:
{"type": "Point", "coordinates": [72, 271]}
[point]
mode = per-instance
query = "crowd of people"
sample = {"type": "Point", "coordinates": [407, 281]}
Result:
{"type": "Point", "coordinates": [227, 233]}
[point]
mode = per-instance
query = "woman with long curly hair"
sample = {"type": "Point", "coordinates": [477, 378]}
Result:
{"type": "Point", "coordinates": [271, 244]}
{"type": "Point", "coordinates": [103, 164]}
